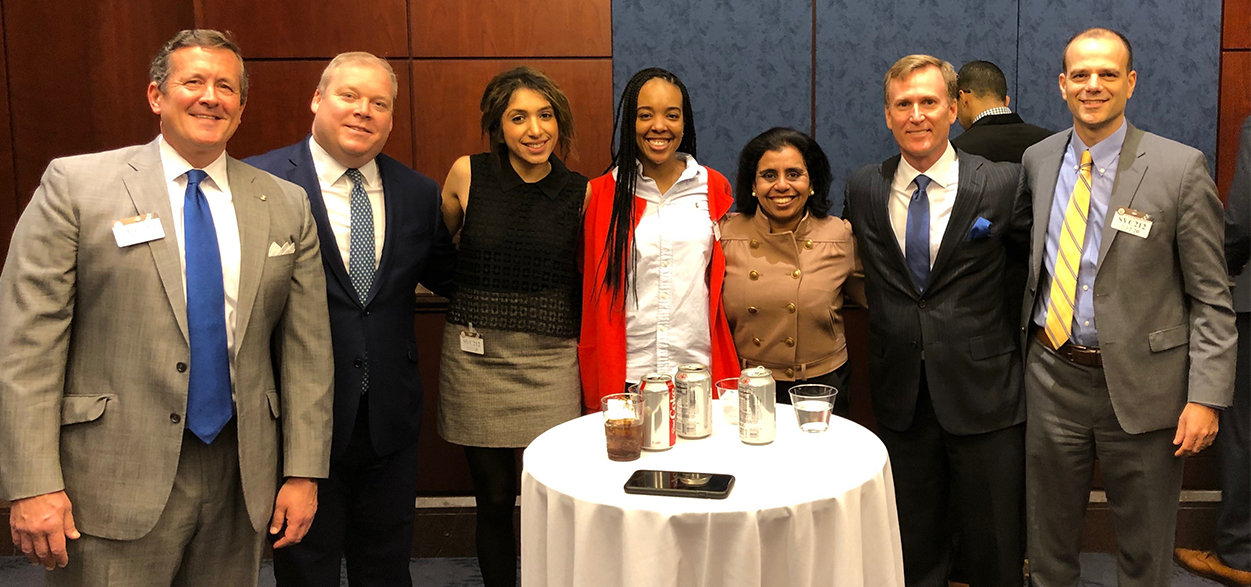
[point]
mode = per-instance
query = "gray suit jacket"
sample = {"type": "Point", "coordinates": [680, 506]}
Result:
{"type": "Point", "coordinates": [1162, 305]}
{"type": "Point", "coordinates": [94, 347]}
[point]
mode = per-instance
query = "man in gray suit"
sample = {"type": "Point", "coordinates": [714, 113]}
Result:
{"type": "Point", "coordinates": [1128, 321]}
{"type": "Point", "coordinates": [164, 348]}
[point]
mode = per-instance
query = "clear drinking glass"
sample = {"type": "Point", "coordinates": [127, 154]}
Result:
{"type": "Point", "coordinates": [727, 390]}
{"type": "Point", "coordinates": [623, 425]}
{"type": "Point", "coordinates": [813, 403]}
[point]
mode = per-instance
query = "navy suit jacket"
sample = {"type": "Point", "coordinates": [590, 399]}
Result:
{"type": "Point", "coordinates": [416, 249]}
{"type": "Point", "coordinates": [962, 328]}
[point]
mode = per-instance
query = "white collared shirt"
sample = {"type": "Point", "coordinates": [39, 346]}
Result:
{"type": "Point", "coordinates": [944, 175]}
{"type": "Point", "coordinates": [216, 188]}
{"type": "Point", "coordinates": [667, 312]}
{"type": "Point", "coordinates": [336, 192]}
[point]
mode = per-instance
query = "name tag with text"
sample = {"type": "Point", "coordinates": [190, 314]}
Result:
{"type": "Point", "coordinates": [1132, 222]}
{"type": "Point", "coordinates": [138, 229]}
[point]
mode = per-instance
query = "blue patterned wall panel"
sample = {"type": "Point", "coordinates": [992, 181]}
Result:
{"type": "Point", "coordinates": [858, 41]}
{"type": "Point", "coordinates": [748, 65]}
{"type": "Point", "coordinates": [1176, 53]}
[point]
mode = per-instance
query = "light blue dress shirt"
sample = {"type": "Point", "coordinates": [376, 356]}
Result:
{"type": "Point", "coordinates": [1105, 156]}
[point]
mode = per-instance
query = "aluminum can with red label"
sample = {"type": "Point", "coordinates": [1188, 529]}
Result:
{"type": "Point", "coordinates": [692, 392]}
{"type": "Point", "coordinates": [656, 391]}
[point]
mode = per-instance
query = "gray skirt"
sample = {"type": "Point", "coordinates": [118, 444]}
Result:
{"type": "Point", "coordinates": [524, 384]}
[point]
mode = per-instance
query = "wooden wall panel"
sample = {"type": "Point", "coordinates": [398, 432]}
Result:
{"type": "Point", "coordinates": [512, 28]}
{"type": "Point", "coordinates": [278, 112]}
{"type": "Point", "coordinates": [77, 84]}
{"type": "Point", "coordinates": [315, 29]}
{"type": "Point", "coordinates": [446, 94]}
{"type": "Point", "coordinates": [1234, 107]}
{"type": "Point", "coordinates": [8, 184]}
{"type": "Point", "coordinates": [1237, 28]}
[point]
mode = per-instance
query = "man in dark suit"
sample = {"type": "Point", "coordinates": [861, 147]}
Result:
{"type": "Point", "coordinates": [933, 225]}
{"type": "Point", "coordinates": [991, 130]}
{"type": "Point", "coordinates": [382, 235]}
{"type": "Point", "coordinates": [1127, 320]}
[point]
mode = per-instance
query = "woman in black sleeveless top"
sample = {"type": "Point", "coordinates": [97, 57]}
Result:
{"type": "Point", "coordinates": [510, 365]}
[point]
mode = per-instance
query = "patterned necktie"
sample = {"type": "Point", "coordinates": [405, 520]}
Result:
{"type": "Point", "coordinates": [917, 234]}
{"type": "Point", "coordinates": [361, 249]}
{"type": "Point", "coordinates": [361, 241]}
{"type": "Point", "coordinates": [208, 393]}
{"type": "Point", "coordinates": [1072, 239]}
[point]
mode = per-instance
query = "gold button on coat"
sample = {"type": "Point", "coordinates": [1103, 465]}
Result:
{"type": "Point", "coordinates": [790, 341]}
{"type": "Point", "coordinates": [751, 309]}
{"type": "Point", "coordinates": [756, 341]}
{"type": "Point", "coordinates": [790, 308]}
{"type": "Point", "coordinates": [808, 244]}
{"type": "Point", "coordinates": [790, 372]}
{"type": "Point", "coordinates": [755, 244]}
{"type": "Point", "coordinates": [753, 276]}
{"type": "Point", "coordinates": [795, 274]}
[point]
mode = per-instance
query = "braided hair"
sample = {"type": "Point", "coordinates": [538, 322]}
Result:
{"type": "Point", "coordinates": [618, 246]}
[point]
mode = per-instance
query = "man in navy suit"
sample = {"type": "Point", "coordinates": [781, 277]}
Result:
{"type": "Point", "coordinates": [382, 234]}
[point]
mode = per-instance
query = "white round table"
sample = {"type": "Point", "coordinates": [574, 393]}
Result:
{"type": "Point", "coordinates": [808, 509]}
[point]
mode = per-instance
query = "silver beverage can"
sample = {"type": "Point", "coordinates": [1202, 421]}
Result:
{"type": "Point", "coordinates": [692, 393]}
{"type": "Point", "coordinates": [656, 393]}
{"type": "Point", "coordinates": [757, 406]}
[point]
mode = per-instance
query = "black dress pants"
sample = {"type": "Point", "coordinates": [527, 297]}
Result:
{"type": "Point", "coordinates": [364, 513]}
{"type": "Point", "coordinates": [969, 486]}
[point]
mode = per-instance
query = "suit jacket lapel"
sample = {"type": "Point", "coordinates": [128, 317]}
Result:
{"type": "Point", "coordinates": [252, 213]}
{"type": "Point", "coordinates": [969, 190]}
{"type": "Point", "coordinates": [881, 216]}
{"type": "Point", "coordinates": [145, 181]}
{"type": "Point", "coordinates": [304, 175]}
{"type": "Point", "coordinates": [1049, 174]}
{"type": "Point", "coordinates": [392, 204]}
{"type": "Point", "coordinates": [1129, 172]}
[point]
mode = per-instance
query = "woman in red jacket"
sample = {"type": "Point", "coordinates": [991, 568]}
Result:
{"type": "Point", "coordinates": [652, 264]}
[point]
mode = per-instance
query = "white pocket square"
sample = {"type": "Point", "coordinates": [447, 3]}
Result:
{"type": "Point", "coordinates": [276, 250]}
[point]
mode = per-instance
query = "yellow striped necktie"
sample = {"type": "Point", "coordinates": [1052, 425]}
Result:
{"type": "Point", "coordinates": [1063, 291]}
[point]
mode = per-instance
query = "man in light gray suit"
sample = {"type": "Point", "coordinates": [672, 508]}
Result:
{"type": "Point", "coordinates": [165, 351]}
{"type": "Point", "coordinates": [1128, 321]}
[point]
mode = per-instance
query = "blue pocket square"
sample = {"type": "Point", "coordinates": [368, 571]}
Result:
{"type": "Point", "coordinates": [980, 230]}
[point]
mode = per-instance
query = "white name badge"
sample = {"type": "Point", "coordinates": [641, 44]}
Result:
{"type": "Point", "coordinates": [471, 341]}
{"type": "Point", "coordinates": [139, 229]}
{"type": "Point", "coordinates": [1132, 222]}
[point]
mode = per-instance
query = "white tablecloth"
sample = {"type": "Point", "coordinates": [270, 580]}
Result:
{"type": "Point", "coordinates": [808, 509]}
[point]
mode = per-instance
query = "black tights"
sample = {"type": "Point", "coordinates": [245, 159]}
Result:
{"type": "Point", "coordinates": [495, 487]}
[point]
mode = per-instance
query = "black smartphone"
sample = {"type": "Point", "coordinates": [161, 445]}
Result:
{"type": "Point", "coordinates": [680, 484]}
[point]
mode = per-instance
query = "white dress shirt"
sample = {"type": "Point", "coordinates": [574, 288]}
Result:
{"type": "Point", "coordinates": [216, 188]}
{"type": "Point", "coordinates": [336, 192]}
{"type": "Point", "coordinates": [667, 312]}
{"type": "Point", "coordinates": [944, 176]}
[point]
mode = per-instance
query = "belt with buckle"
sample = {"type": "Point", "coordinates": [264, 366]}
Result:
{"type": "Point", "coordinates": [1087, 356]}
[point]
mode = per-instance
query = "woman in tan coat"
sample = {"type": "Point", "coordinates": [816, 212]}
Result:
{"type": "Point", "coordinates": [789, 265]}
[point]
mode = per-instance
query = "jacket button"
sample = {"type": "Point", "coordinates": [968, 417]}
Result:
{"type": "Point", "coordinates": [921, 304]}
{"type": "Point", "coordinates": [753, 276]}
{"type": "Point", "coordinates": [755, 244]}
{"type": "Point", "coordinates": [751, 309]}
{"type": "Point", "coordinates": [175, 418]}
{"type": "Point", "coordinates": [808, 244]}
{"type": "Point", "coordinates": [358, 363]}
{"type": "Point", "coordinates": [790, 307]}
{"type": "Point", "coordinates": [790, 372]}
{"type": "Point", "coordinates": [181, 367]}
{"type": "Point", "coordinates": [795, 274]}
{"type": "Point", "coordinates": [366, 312]}
{"type": "Point", "coordinates": [756, 341]}
{"type": "Point", "coordinates": [790, 341]}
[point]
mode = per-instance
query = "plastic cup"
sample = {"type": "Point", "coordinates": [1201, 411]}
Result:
{"type": "Point", "coordinates": [727, 390]}
{"type": "Point", "coordinates": [623, 425]}
{"type": "Point", "coordinates": [813, 404]}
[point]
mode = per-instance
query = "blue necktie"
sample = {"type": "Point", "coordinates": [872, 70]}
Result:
{"type": "Point", "coordinates": [917, 235]}
{"type": "Point", "coordinates": [208, 394]}
{"type": "Point", "coordinates": [361, 249]}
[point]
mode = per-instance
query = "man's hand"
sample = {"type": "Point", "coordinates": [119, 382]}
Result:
{"type": "Point", "coordinates": [295, 506]}
{"type": "Point", "coordinates": [39, 526]}
{"type": "Point", "coordinates": [1196, 429]}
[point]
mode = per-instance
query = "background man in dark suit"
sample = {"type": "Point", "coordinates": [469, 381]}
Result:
{"type": "Point", "coordinates": [1230, 559]}
{"type": "Point", "coordinates": [164, 353]}
{"type": "Point", "coordinates": [383, 234]}
{"type": "Point", "coordinates": [991, 130]}
{"type": "Point", "coordinates": [932, 224]}
{"type": "Point", "coordinates": [1130, 327]}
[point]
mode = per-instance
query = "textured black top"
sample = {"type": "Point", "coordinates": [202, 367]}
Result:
{"type": "Point", "coordinates": [517, 268]}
